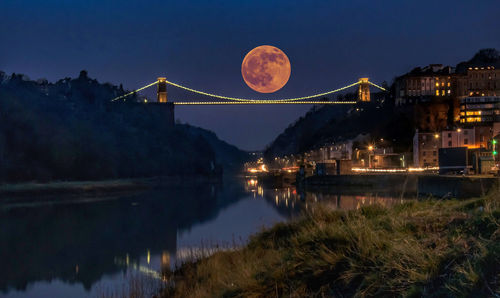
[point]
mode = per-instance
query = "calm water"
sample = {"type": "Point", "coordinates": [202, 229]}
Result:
{"type": "Point", "coordinates": [85, 248]}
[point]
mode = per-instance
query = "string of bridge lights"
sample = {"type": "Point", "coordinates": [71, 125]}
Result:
{"type": "Point", "coordinates": [135, 91]}
{"type": "Point", "coordinates": [260, 100]}
{"type": "Point", "coordinates": [185, 103]}
{"type": "Point", "coordinates": [236, 100]}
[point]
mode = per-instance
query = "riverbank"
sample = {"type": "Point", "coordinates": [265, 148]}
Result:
{"type": "Point", "coordinates": [419, 248]}
{"type": "Point", "coordinates": [407, 184]}
{"type": "Point", "coordinates": [102, 187]}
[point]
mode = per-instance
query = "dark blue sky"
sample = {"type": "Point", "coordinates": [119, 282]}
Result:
{"type": "Point", "coordinates": [201, 44]}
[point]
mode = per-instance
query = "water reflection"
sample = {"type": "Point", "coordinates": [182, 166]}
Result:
{"type": "Point", "coordinates": [290, 202]}
{"type": "Point", "coordinates": [79, 243]}
{"type": "Point", "coordinates": [62, 248]}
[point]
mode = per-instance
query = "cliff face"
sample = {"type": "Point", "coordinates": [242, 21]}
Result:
{"type": "Point", "coordinates": [334, 123]}
{"type": "Point", "coordinates": [69, 130]}
{"type": "Point", "coordinates": [300, 135]}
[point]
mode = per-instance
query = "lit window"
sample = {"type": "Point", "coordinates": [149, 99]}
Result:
{"type": "Point", "coordinates": [449, 84]}
{"type": "Point", "coordinates": [449, 92]}
{"type": "Point", "coordinates": [437, 84]}
{"type": "Point", "coordinates": [442, 93]}
{"type": "Point", "coordinates": [437, 92]}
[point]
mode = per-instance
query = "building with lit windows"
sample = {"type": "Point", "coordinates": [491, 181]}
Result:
{"type": "Point", "coordinates": [479, 81]}
{"type": "Point", "coordinates": [425, 84]}
{"type": "Point", "coordinates": [438, 89]}
{"type": "Point", "coordinates": [482, 110]}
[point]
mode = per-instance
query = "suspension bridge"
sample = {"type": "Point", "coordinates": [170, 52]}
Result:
{"type": "Point", "coordinates": [215, 99]}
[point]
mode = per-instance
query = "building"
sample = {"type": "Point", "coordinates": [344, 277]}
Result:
{"type": "Point", "coordinates": [425, 84]}
{"type": "Point", "coordinates": [479, 81]}
{"type": "Point", "coordinates": [337, 151]}
{"type": "Point", "coordinates": [477, 137]}
{"type": "Point", "coordinates": [437, 90]}
{"type": "Point", "coordinates": [425, 149]}
{"type": "Point", "coordinates": [457, 138]}
{"type": "Point", "coordinates": [483, 110]}
{"type": "Point", "coordinates": [431, 91]}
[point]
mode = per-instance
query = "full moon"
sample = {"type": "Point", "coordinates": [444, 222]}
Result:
{"type": "Point", "coordinates": [266, 69]}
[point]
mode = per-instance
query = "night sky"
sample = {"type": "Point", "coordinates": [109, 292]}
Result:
{"type": "Point", "coordinates": [201, 44]}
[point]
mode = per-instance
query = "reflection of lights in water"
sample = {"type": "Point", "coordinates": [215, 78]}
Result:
{"type": "Point", "coordinates": [148, 258]}
{"type": "Point", "coordinates": [135, 266]}
{"type": "Point", "coordinates": [401, 170]}
{"type": "Point", "coordinates": [252, 182]}
{"type": "Point", "coordinates": [165, 259]}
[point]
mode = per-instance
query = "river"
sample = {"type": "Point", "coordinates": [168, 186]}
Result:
{"type": "Point", "coordinates": [90, 246]}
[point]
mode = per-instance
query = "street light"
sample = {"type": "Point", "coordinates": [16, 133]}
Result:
{"type": "Point", "coordinates": [370, 148]}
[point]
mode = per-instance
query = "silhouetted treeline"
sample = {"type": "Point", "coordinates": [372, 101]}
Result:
{"type": "Point", "coordinates": [69, 130]}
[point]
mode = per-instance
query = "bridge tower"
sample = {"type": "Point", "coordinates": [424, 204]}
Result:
{"type": "Point", "coordinates": [364, 90]}
{"type": "Point", "coordinates": [162, 90]}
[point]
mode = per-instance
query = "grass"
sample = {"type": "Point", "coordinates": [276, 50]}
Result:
{"type": "Point", "coordinates": [426, 248]}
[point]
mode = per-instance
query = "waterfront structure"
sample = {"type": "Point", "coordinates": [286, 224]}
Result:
{"type": "Point", "coordinates": [477, 137]}
{"type": "Point", "coordinates": [425, 149]}
{"type": "Point", "coordinates": [460, 137]}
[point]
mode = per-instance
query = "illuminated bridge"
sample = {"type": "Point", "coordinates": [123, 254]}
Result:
{"type": "Point", "coordinates": [214, 99]}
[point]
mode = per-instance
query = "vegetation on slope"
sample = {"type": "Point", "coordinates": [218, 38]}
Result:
{"type": "Point", "coordinates": [69, 130]}
{"type": "Point", "coordinates": [420, 248]}
{"type": "Point", "coordinates": [379, 119]}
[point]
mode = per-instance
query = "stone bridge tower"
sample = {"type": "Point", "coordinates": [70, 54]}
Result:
{"type": "Point", "coordinates": [364, 90]}
{"type": "Point", "coordinates": [162, 90]}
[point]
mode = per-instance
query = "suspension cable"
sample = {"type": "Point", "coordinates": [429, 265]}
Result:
{"type": "Point", "coordinates": [267, 100]}
{"type": "Point", "coordinates": [186, 103]}
{"type": "Point", "coordinates": [379, 87]}
{"type": "Point", "coordinates": [135, 91]}
{"type": "Point", "coordinates": [248, 100]}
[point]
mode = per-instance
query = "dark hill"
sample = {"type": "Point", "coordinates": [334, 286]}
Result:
{"type": "Point", "coordinates": [69, 130]}
{"type": "Point", "coordinates": [483, 58]}
{"type": "Point", "coordinates": [334, 123]}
